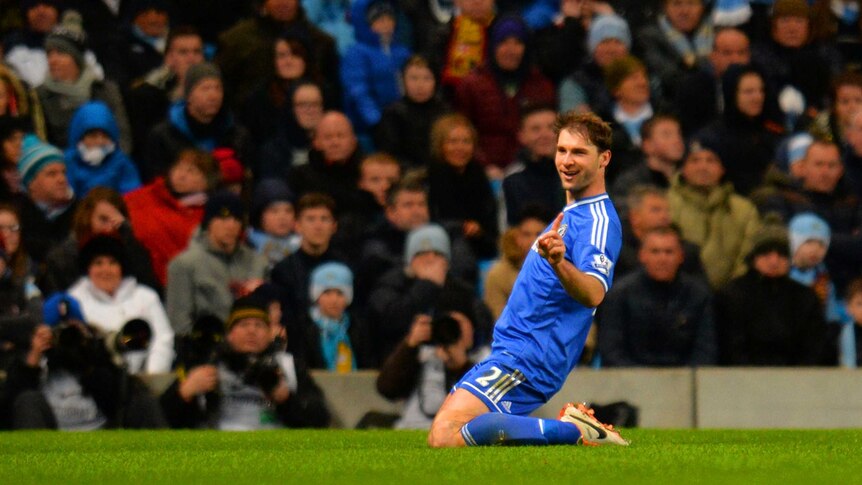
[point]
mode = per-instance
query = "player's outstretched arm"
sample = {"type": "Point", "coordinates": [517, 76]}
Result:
{"type": "Point", "coordinates": [585, 289]}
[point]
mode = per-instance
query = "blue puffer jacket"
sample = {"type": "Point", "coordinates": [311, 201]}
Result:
{"type": "Point", "coordinates": [369, 73]}
{"type": "Point", "coordinates": [116, 171]}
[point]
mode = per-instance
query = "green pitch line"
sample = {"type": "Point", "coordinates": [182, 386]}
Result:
{"type": "Point", "coordinates": [330, 456]}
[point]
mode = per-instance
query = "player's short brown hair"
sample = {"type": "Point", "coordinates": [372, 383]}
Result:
{"type": "Point", "coordinates": [594, 129]}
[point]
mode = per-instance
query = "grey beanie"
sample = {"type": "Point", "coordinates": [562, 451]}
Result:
{"type": "Point", "coordinates": [198, 73]}
{"type": "Point", "coordinates": [430, 237]}
{"type": "Point", "coordinates": [69, 37]}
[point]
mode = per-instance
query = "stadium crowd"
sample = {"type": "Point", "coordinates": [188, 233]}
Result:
{"type": "Point", "coordinates": [238, 191]}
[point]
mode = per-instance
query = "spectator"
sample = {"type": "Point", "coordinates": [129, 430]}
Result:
{"type": "Point", "coordinates": [94, 157]}
{"type": "Point", "coordinates": [269, 104]}
{"type": "Point", "coordinates": [17, 296]}
{"type": "Point", "coordinates": [333, 166]}
{"type": "Point", "coordinates": [215, 269]}
{"type": "Point", "coordinates": [333, 17]}
{"type": "Point", "coordinates": [316, 224]}
{"type": "Point", "coordinates": [25, 48]}
{"type": "Point", "coordinates": [146, 38]}
{"type": "Point", "coordinates": [791, 62]}
{"type": "Point", "coordinates": [764, 318]}
{"type": "Point", "coordinates": [377, 173]}
{"type": "Point", "coordinates": [561, 45]}
{"type": "Point", "coordinates": [425, 365]}
{"type": "Point", "coordinates": [71, 82]}
{"type": "Point", "coordinates": [12, 131]}
{"type": "Point", "coordinates": [514, 246]}
{"type": "Point", "coordinates": [250, 386]}
{"type": "Point", "coordinates": [461, 46]}
{"type": "Point", "coordinates": [663, 148]}
{"type": "Point", "coordinates": [585, 89]}
{"type": "Point", "coordinates": [405, 125]}
{"type": "Point", "coordinates": [245, 50]}
{"type": "Point", "coordinates": [110, 297]}
{"type": "Point", "coordinates": [19, 266]}
{"type": "Point", "coordinates": [846, 96]}
{"type": "Point", "coordinates": [289, 146]}
{"type": "Point", "coordinates": [165, 212]}
{"type": "Point", "coordinates": [422, 286]}
{"type": "Point", "coordinates": [18, 101]}
{"type": "Point", "coordinates": [491, 95]}
{"type": "Point", "coordinates": [649, 208]}
{"type": "Point", "coordinates": [272, 223]}
{"type": "Point", "coordinates": [711, 215]}
{"type": "Point", "coordinates": [336, 338]}
{"type": "Point", "coordinates": [70, 382]}
{"type": "Point", "coordinates": [199, 121]}
{"type": "Point", "coordinates": [658, 316]}
{"type": "Point", "coordinates": [529, 179]}
{"type": "Point", "coordinates": [699, 98]}
{"type": "Point", "coordinates": [49, 202]}
{"type": "Point", "coordinates": [823, 191]}
{"type": "Point", "coordinates": [101, 211]}
{"type": "Point", "coordinates": [678, 42]}
{"type": "Point", "coordinates": [370, 68]}
{"type": "Point", "coordinates": [150, 97]}
{"type": "Point", "coordinates": [106, 25]}
{"type": "Point", "coordinates": [746, 134]}
{"type": "Point", "coordinates": [459, 193]}
{"type": "Point", "coordinates": [628, 82]}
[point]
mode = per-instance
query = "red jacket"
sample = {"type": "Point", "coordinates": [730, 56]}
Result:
{"type": "Point", "coordinates": [162, 225]}
{"type": "Point", "coordinates": [497, 116]}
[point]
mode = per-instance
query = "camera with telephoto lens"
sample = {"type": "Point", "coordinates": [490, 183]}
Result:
{"type": "Point", "coordinates": [130, 345]}
{"type": "Point", "coordinates": [258, 370]}
{"type": "Point", "coordinates": [445, 330]}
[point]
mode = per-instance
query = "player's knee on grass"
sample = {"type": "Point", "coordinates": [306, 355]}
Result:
{"type": "Point", "coordinates": [445, 434]}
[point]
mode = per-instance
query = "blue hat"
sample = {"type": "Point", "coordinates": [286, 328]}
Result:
{"type": "Point", "coordinates": [508, 26]}
{"type": "Point", "coordinates": [268, 191]}
{"type": "Point", "coordinates": [35, 155]}
{"type": "Point", "coordinates": [606, 27]}
{"type": "Point", "coordinates": [331, 276]}
{"type": "Point", "coordinates": [430, 237]}
{"type": "Point", "coordinates": [61, 307]}
{"type": "Point", "coordinates": [807, 226]}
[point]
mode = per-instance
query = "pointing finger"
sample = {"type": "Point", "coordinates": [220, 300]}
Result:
{"type": "Point", "coordinates": [556, 225]}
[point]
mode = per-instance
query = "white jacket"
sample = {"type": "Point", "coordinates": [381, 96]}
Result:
{"type": "Point", "coordinates": [109, 313]}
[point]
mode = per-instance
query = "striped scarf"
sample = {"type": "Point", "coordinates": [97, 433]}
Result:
{"type": "Point", "coordinates": [689, 49]}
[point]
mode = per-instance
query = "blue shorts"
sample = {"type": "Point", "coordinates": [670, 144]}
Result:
{"type": "Point", "coordinates": [501, 388]}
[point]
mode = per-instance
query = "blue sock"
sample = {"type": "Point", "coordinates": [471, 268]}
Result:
{"type": "Point", "coordinates": [506, 429]}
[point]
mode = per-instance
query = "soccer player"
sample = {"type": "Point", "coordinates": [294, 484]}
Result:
{"type": "Point", "coordinates": [541, 332]}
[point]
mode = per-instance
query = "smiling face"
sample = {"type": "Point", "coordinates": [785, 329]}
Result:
{"type": "Point", "coordinates": [580, 165]}
{"type": "Point", "coordinates": [106, 273]}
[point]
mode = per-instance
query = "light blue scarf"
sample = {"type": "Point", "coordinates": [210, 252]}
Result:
{"type": "Point", "coordinates": [332, 333]}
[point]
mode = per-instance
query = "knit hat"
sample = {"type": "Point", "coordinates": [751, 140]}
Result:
{"type": "Point", "coordinates": [807, 226]}
{"type": "Point", "coordinates": [61, 307]}
{"type": "Point", "coordinates": [429, 237]}
{"type": "Point", "coordinates": [508, 26]}
{"type": "Point", "coordinates": [772, 236]}
{"type": "Point", "coordinates": [36, 155]}
{"type": "Point", "coordinates": [378, 9]}
{"type": "Point", "coordinates": [230, 167]}
{"type": "Point", "coordinates": [69, 37]}
{"type": "Point", "coordinates": [606, 27]}
{"type": "Point", "coordinates": [704, 142]}
{"type": "Point", "coordinates": [139, 6]}
{"type": "Point", "coordinates": [797, 147]}
{"type": "Point", "coordinates": [790, 8]}
{"type": "Point", "coordinates": [102, 245]}
{"type": "Point", "coordinates": [617, 71]}
{"type": "Point", "coordinates": [223, 204]}
{"type": "Point", "coordinates": [199, 72]}
{"type": "Point", "coordinates": [246, 307]}
{"type": "Point", "coordinates": [331, 276]}
{"type": "Point", "coordinates": [268, 191]}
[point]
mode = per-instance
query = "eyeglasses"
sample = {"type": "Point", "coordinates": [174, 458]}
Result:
{"type": "Point", "coordinates": [10, 228]}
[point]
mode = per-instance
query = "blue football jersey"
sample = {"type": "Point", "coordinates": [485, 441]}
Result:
{"type": "Point", "coordinates": [542, 330]}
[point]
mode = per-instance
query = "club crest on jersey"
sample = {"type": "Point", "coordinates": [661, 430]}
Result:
{"type": "Point", "coordinates": [602, 264]}
{"type": "Point", "coordinates": [562, 229]}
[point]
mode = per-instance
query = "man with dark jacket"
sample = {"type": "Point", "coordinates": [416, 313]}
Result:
{"type": "Point", "coordinates": [764, 318]}
{"type": "Point", "coordinates": [250, 385]}
{"type": "Point", "coordinates": [658, 316]}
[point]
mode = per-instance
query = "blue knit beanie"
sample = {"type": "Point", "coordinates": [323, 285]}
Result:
{"type": "Point", "coordinates": [35, 155]}
{"type": "Point", "coordinates": [508, 26]}
{"type": "Point", "coordinates": [331, 276]}
{"type": "Point", "coordinates": [609, 27]}
{"type": "Point", "coordinates": [61, 307]}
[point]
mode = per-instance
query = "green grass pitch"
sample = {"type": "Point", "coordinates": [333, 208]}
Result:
{"type": "Point", "coordinates": [340, 456]}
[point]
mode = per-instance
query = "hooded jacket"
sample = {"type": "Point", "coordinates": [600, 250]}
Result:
{"type": "Point", "coordinates": [116, 171]}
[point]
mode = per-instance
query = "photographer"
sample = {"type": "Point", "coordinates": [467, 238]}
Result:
{"type": "Point", "coordinates": [249, 384]}
{"type": "Point", "coordinates": [425, 365]}
{"type": "Point", "coordinates": [67, 380]}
